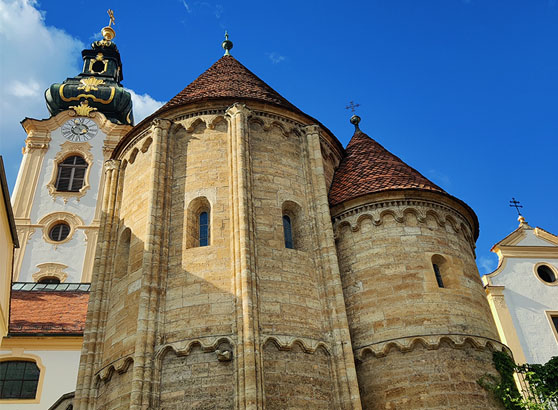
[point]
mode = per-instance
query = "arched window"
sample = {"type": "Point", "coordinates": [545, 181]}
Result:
{"type": "Point", "coordinates": [288, 232]}
{"type": "Point", "coordinates": [18, 379]}
{"type": "Point", "coordinates": [203, 224]}
{"type": "Point", "coordinates": [71, 174]}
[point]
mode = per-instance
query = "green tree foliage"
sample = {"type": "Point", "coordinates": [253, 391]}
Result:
{"type": "Point", "coordinates": [542, 382]}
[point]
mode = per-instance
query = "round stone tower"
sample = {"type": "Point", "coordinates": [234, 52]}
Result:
{"type": "Point", "coordinates": [216, 283]}
{"type": "Point", "coordinates": [420, 324]}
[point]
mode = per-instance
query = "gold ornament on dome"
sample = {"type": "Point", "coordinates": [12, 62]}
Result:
{"type": "Point", "coordinates": [90, 83]}
{"type": "Point", "coordinates": [83, 109]}
{"type": "Point", "coordinates": [108, 32]}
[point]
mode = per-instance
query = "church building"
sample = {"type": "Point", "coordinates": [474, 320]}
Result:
{"type": "Point", "coordinates": [228, 252]}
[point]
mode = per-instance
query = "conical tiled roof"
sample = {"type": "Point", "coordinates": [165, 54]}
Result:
{"type": "Point", "coordinates": [368, 167]}
{"type": "Point", "coordinates": [227, 78]}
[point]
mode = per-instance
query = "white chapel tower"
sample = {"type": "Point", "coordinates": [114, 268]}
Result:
{"type": "Point", "coordinates": [57, 196]}
{"type": "Point", "coordinates": [57, 204]}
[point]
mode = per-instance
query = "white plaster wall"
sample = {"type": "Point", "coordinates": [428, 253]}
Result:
{"type": "Point", "coordinates": [61, 368]}
{"type": "Point", "coordinates": [528, 298]}
{"type": "Point", "coordinates": [71, 253]}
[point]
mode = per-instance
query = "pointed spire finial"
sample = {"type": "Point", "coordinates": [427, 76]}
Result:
{"type": "Point", "coordinates": [227, 44]}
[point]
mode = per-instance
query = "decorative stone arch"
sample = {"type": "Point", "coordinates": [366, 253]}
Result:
{"type": "Point", "coordinates": [48, 221]}
{"type": "Point", "coordinates": [68, 149]}
{"type": "Point", "coordinates": [51, 270]}
{"type": "Point", "coordinates": [27, 357]}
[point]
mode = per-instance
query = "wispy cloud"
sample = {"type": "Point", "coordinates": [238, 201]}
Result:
{"type": "Point", "coordinates": [275, 57]}
{"type": "Point", "coordinates": [439, 177]}
{"type": "Point", "coordinates": [486, 265]}
{"type": "Point", "coordinates": [186, 6]}
{"type": "Point", "coordinates": [144, 105]}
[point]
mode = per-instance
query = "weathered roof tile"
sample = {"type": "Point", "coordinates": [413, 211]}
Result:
{"type": "Point", "coordinates": [368, 167]}
{"type": "Point", "coordinates": [47, 312]}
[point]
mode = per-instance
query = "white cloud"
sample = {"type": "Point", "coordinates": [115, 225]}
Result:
{"type": "Point", "coordinates": [439, 177]}
{"type": "Point", "coordinates": [34, 56]}
{"type": "Point", "coordinates": [144, 105]}
{"type": "Point", "coordinates": [486, 265]}
{"type": "Point", "coordinates": [28, 89]}
{"type": "Point", "coordinates": [275, 58]}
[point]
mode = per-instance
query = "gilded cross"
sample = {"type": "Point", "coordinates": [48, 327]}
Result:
{"type": "Point", "coordinates": [111, 16]}
{"type": "Point", "coordinates": [352, 106]}
{"type": "Point", "coordinates": [515, 204]}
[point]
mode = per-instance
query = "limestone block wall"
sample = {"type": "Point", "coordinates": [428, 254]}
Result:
{"type": "Point", "coordinates": [387, 246]}
{"type": "Point", "coordinates": [242, 322]}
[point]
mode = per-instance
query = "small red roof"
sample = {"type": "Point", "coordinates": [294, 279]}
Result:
{"type": "Point", "coordinates": [228, 78]}
{"type": "Point", "coordinates": [368, 167]}
{"type": "Point", "coordinates": [49, 312]}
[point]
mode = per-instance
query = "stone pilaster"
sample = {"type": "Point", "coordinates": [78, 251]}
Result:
{"type": "Point", "coordinates": [248, 356]}
{"type": "Point", "coordinates": [151, 268]}
{"type": "Point", "coordinates": [100, 285]}
{"type": "Point", "coordinates": [343, 360]}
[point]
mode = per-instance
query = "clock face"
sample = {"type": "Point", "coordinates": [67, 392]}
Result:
{"type": "Point", "coordinates": [79, 129]}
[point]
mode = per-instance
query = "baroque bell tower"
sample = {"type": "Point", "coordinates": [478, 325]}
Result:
{"type": "Point", "coordinates": [56, 199]}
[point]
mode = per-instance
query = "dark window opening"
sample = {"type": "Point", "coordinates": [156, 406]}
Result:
{"type": "Point", "coordinates": [204, 229]}
{"type": "Point", "coordinates": [98, 66]}
{"type": "Point", "coordinates": [546, 274]}
{"type": "Point", "coordinates": [555, 322]}
{"type": "Point", "coordinates": [59, 232]}
{"type": "Point", "coordinates": [288, 232]}
{"type": "Point", "coordinates": [438, 275]}
{"type": "Point", "coordinates": [18, 379]}
{"type": "Point", "coordinates": [71, 174]}
{"type": "Point", "coordinates": [49, 280]}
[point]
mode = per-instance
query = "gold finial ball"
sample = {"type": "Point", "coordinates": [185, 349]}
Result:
{"type": "Point", "coordinates": [108, 33]}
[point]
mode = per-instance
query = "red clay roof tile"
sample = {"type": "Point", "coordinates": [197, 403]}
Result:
{"type": "Point", "coordinates": [368, 167]}
{"type": "Point", "coordinates": [228, 78]}
{"type": "Point", "coordinates": [47, 312]}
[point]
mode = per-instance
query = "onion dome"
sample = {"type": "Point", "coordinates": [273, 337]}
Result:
{"type": "Point", "coordinates": [368, 168]}
{"type": "Point", "coordinates": [97, 87]}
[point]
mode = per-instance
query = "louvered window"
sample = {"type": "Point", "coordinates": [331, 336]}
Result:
{"type": "Point", "coordinates": [59, 232]}
{"type": "Point", "coordinates": [71, 174]}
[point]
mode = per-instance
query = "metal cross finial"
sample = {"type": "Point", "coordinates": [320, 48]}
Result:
{"type": "Point", "coordinates": [111, 16]}
{"type": "Point", "coordinates": [352, 106]}
{"type": "Point", "coordinates": [515, 204]}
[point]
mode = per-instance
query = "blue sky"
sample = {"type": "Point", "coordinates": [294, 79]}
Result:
{"type": "Point", "coordinates": [463, 90]}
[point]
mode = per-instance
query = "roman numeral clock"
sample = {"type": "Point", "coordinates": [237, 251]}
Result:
{"type": "Point", "coordinates": [79, 129]}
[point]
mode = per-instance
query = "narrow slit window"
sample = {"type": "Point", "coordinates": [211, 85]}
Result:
{"type": "Point", "coordinates": [204, 229]}
{"type": "Point", "coordinates": [71, 174]}
{"type": "Point", "coordinates": [288, 232]}
{"type": "Point", "coordinates": [438, 275]}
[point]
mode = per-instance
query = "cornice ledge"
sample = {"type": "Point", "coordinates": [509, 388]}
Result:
{"type": "Point", "coordinates": [429, 342]}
